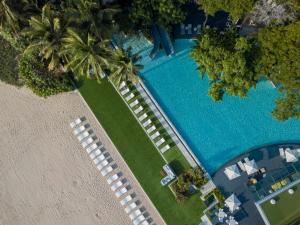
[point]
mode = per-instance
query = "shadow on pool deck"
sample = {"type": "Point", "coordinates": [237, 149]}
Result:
{"type": "Point", "coordinates": [277, 169]}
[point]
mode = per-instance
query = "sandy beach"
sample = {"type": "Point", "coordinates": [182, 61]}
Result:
{"type": "Point", "coordinates": [45, 175]}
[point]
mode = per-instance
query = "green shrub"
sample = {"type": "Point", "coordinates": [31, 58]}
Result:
{"type": "Point", "coordinates": [8, 63]}
{"type": "Point", "coordinates": [42, 82]}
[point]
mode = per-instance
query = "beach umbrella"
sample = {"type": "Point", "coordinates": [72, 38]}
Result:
{"type": "Point", "coordinates": [290, 156]}
{"type": "Point", "coordinates": [232, 172]}
{"type": "Point", "coordinates": [232, 202]}
{"type": "Point", "coordinates": [250, 167]}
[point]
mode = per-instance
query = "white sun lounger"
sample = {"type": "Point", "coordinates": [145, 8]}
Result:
{"type": "Point", "coordinates": [99, 159]}
{"type": "Point", "coordinates": [145, 222]}
{"type": "Point", "coordinates": [125, 200]}
{"type": "Point", "coordinates": [151, 129]}
{"type": "Point", "coordinates": [138, 220]}
{"type": "Point", "coordinates": [107, 170]}
{"type": "Point", "coordinates": [79, 130]}
{"type": "Point", "coordinates": [281, 152]}
{"type": "Point", "coordinates": [130, 207]}
{"type": "Point", "coordinates": [298, 151]}
{"type": "Point", "coordinates": [116, 185]}
{"type": "Point", "coordinates": [125, 91]}
{"type": "Point", "coordinates": [241, 165]}
{"type": "Point", "coordinates": [142, 117]}
{"type": "Point", "coordinates": [135, 214]}
{"type": "Point", "coordinates": [121, 192]}
{"type": "Point", "coordinates": [76, 122]}
{"type": "Point", "coordinates": [95, 154]}
{"type": "Point", "coordinates": [134, 103]}
{"type": "Point", "coordinates": [91, 148]}
{"type": "Point", "coordinates": [87, 142]}
{"type": "Point", "coordinates": [148, 122]}
{"type": "Point", "coordinates": [155, 135]}
{"type": "Point", "coordinates": [83, 135]}
{"type": "Point", "coordinates": [129, 97]}
{"type": "Point", "coordinates": [101, 165]}
{"type": "Point", "coordinates": [138, 110]}
{"type": "Point", "coordinates": [123, 84]}
{"type": "Point", "coordinates": [113, 178]}
{"type": "Point", "coordinates": [160, 142]}
{"type": "Point", "coordinates": [165, 148]}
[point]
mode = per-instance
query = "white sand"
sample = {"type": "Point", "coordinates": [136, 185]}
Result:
{"type": "Point", "coordinates": [45, 175]}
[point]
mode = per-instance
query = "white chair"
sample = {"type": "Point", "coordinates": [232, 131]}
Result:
{"type": "Point", "coordinates": [165, 148]}
{"type": "Point", "coordinates": [138, 220]}
{"type": "Point", "coordinates": [151, 129]}
{"type": "Point", "coordinates": [106, 170]}
{"type": "Point", "coordinates": [116, 185]}
{"type": "Point", "coordinates": [138, 110]}
{"type": "Point", "coordinates": [123, 84]}
{"type": "Point", "coordinates": [145, 222]}
{"type": "Point", "coordinates": [281, 152]}
{"type": "Point", "coordinates": [76, 122]}
{"type": "Point", "coordinates": [121, 192]}
{"type": "Point", "coordinates": [87, 142]}
{"type": "Point", "coordinates": [83, 135]}
{"type": "Point", "coordinates": [135, 214]}
{"type": "Point", "coordinates": [159, 143]}
{"type": "Point", "coordinates": [101, 165]}
{"type": "Point", "coordinates": [298, 151]}
{"type": "Point", "coordinates": [241, 165]}
{"type": "Point", "coordinates": [130, 207]}
{"type": "Point", "coordinates": [125, 91]}
{"type": "Point", "coordinates": [99, 159]}
{"type": "Point", "coordinates": [148, 122]}
{"type": "Point", "coordinates": [95, 154]}
{"type": "Point", "coordinates": [129, 97]}
{"type": "Point", "coordinates": [142, 117]}
{"type": "Point", "coordinates": [79, 130]}
{"type": "Point", "coordinates": [125, 200]}
{"type": "Point", "coordinates": [113, 178]}
{"type": "Point", "coordinates": [134, 103]}
{"type": "Point", "coordinates": [91, 148]}
{"type": "Point", "coordinates": [155, 135]}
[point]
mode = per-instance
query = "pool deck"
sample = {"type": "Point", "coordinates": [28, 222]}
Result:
{"type": "Point", "coordinates": [266, 156]}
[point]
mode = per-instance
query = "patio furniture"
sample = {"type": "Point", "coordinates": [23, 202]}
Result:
{"type": "Point", "coordinates": [145, 222]}
{"type": "Point", "coordinates": [83, 135]}
{"type": "Point", "coordinates": [130, 207]}
{"type": "Point", "coordinates": [250, 166]}
{"type": "Point", "coordinates": [79, 130]}
{"type": "Point", "coordinates": [121, 192]}
{"type": "Point", "coordinates": [95, 154]}
{"type": "Point", "coordinates": [107, 170]}
{"type": "Point", "coordinates": [99, 159]}
{"type": "Point", "coordinates": [134, 103]}
{"type": "Point", "coordinates": [129, 97]}
{"type": "Point", "coordinates": [165, 148]}
{"type": "Point", "coordinates": [116, 185]}
{"type": "Point", "coordinates": [125, 91]}
{"type": "Point", "coordinates": [221, 215]}
{"type": "Point", "coordinates": [123, 84]}
{"type": "Point", "coordinates": [151, 129]}
{"type": "Point", "coordinates": [276, 186]}
{"type": "Point", "coordinates": [241, 165]}
{"type": "Point", "coordinates": [135, 214]}
{"type": "Point", "coordinates": [162, 140]}
{"type": "Point", "coordinates": [87, 142]}
{"type": "Point", "coordinates": [155, 135]}
{"type": "Point", "coordinates": [101, 165]}
{"type": "Point", "coordinates": [232, 172]}
{"type": "Point", "coordinates": [76, 122]}
{"type": "Point", "coordinates": [125, 200]}
{"type": "Point", "coordinates": [182, 29]}
{"type": "Point", "coordinates": [281, 153]}
{"type": "Point", "coordinates": [290, 155]}
{"type": "Point", "coordinates": [91, 148]}
{"type": "Point", "coordinates": [189, 28]}
{"type": "Point", "coordinates": [148, 122]}
{"type": "Point", "coordinates": [233, 203]}
{"type": "Point", "coordinates": [142, 117]}
{"type": "Point", "coordinates": [113, 178]}
{"type": "Point", "coordinates": [231, 221]}
{"type": "Point", "coordinates": [138, 220]}
{"type": "Point", "coordinates": [138, 110]}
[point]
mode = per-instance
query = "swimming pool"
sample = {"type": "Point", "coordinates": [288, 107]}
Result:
{"type": "Point", "coordinates": [216, 132]}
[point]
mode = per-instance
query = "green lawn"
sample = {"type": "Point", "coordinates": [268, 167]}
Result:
{"type": "Point", "coordinates": [139, 152]}
{"type": "Point", "coordinates": [286, 211]}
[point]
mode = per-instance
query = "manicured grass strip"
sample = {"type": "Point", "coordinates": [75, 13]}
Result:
{"type": "Point", "coordinates": [138, 152]}
{"type": "Point", "coordinates": [286, 210]}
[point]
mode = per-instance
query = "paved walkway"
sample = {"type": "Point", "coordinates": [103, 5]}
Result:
{"type": "Point", "coordinates": [276, 167]}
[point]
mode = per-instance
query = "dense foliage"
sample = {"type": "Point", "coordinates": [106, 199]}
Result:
{"type": "Point", "coordinates": [42, 82]}
{"type": "Point", "coordinates": [224, 58]}
{"type": "Point", "coordinates": [236, 8]}
{"type": "Point", "coordinates": [161, 12]}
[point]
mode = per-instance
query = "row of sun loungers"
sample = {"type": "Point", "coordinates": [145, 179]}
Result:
{"type": "Point", "coordinates": [105, 164]}
{"type": "Point", "coordinates": [146, 123]}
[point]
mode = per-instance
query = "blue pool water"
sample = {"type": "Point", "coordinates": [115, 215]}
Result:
{"type": "Point", "coordinates": [216, 132]}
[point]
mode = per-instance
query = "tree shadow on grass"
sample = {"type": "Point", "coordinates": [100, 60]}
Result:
{"type": "Point", "coordinates": [176, 166]}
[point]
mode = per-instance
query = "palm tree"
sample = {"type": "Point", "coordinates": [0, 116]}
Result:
{"type": "Point", "coordinates": [125, 67]}
{"type": "Point", "coordinates": [86, 56]}
{"type": "Point", "coordinates": [7, 16]}
{"type": "Point", "coordinates": [93, 16]}
{"type": "Point", "coordinates": [46, 33]}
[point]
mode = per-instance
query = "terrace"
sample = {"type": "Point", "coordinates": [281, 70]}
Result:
{"type": "Point", "coordinates": [278, 171]}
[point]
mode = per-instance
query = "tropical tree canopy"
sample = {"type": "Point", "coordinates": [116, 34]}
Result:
{"type": "Point", "coordinates": [7, 16]}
